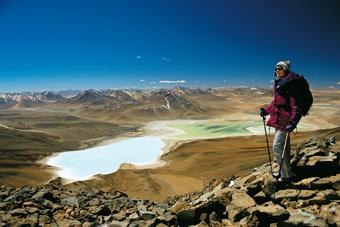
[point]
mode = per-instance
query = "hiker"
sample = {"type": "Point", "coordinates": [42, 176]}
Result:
{"type": "Point", "coordinates": [284, 117]}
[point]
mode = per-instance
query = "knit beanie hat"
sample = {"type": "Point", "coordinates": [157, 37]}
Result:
{"type": "Point", "coordinates": [284, 64]}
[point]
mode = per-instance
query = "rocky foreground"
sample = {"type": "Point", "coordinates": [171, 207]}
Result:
{"type": "Point", "coordinates": [257, 199]}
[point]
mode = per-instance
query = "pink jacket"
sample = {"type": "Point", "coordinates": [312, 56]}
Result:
{"type": "Point", "coordinates": [283, 109]}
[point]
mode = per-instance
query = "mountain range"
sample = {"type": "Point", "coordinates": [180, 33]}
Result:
{"type": "Point", "coordinates": [129, 104]}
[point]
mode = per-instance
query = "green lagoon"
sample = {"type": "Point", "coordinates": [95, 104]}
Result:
{"type": "Point", "coordinates": [220, 129]}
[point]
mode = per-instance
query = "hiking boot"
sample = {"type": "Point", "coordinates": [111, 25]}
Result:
{"type": "Point", "coordinates": [276, 175]}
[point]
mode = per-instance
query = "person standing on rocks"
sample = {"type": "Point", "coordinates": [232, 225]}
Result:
{"type": "Point", "coordinates": [284, 117]}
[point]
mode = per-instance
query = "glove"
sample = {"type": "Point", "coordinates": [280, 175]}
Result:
{"type": "Point", "coordinates": [263, 112]}
{"type": "Point", "coordinates": [290, 127]}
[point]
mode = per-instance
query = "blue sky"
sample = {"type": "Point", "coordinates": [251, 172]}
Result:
{"type": "Point", "coordinates": [82, 44]}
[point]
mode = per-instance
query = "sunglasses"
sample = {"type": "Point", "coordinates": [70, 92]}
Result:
{"type": "Point", "coordinates": [279, 68]}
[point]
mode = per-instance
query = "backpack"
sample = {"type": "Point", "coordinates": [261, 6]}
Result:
{"type": "Point", "coordinates": [299, 89]}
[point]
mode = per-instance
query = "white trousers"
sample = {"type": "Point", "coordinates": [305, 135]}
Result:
{"type": "Point", "coordinates": [278, 144]}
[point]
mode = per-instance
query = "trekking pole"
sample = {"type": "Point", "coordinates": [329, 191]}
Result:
{"type": "Point", "coordinates": [278, 175]}
{"type": "Point", "coordinates": [265, 131]}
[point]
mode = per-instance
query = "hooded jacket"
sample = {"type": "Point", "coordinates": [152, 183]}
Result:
{"type": "Point", "coordinates": [283, 109]}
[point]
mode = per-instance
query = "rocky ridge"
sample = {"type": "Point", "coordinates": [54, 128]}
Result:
{"type": "Point", "coordinates": [257, 199]}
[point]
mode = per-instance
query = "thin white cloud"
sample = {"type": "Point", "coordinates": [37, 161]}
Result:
{"type": "Point", "coordinates": [338, 83]}
{"type": "Point", "coordinates": [138, 57]}
{"type": "Point", "coordinates": [153, 82]}
{"type": "Point", "coordinates": [166, 59]}
{"type": "Point", "coordinates": [172, 81]}
{"type": "Point", "coordinates": [331, 87]}
{"type": "Point", "coordinates": [141, 80]}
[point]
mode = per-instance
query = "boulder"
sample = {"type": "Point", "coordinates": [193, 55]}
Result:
{"type": "Point", "coordinates": [101, 210]}
{"type": "Point", "coordinates": [186, 217]}
{"type": "Point", "coordinates": [225, 195]}
{"type": "Point", "coordinates": [306, 183]}
{"type": "Point", "coordinates": [291, 194]}
{"type": "Point", "coordinates": [303, 218]}
{"type": "Point", "coordinates": [241, 201]}
{"type": "Point", "coordinates": [192, 215]}
{"type": "Point", "coordinates": [321, 183]}
{"type": "Point", "coordinates": [260, 198]}
{"type": "Point", "coordinates": [18, 212]}
{"type": "Point", "coordinates": [147, 215]}
{"type": "Point", "coordinates": [160, 209]}
{"type": "Point", "coordinates": [70, 201]}
{"type": "Point", "coordinates": [179, 205]}
{"type": "Point", "coordinates": [321, 160]}
{"type": "Point", "coordinates": [334, 181]}
{"type": "Point", "coordinates": [269, 212]}
{"type": "Point", "coordinates": [307, 194]}
{"type": "Point", "coordinates": [133, 217]}
{"type": "Point", "coordinates": [323, 197]}
{"type": "Point", "coordinates": [331, 213]}
{"type": "Point", "coordinates": [44, 194]}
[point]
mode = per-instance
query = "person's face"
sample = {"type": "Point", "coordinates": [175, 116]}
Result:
{"type": "Point", "coordinates": [280, 72]}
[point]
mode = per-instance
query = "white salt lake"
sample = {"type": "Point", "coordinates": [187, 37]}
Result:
{"type": "Point", "coordinates": [83, 164]}
{"type": "Point", "coordinates": [107, 158]}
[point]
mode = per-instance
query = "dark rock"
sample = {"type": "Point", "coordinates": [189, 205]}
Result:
{"type": "Point", "coordinates": [70, 201]}
{"type": "Point", "coordinates": [101, 210]}
{"type": "Point", "coordinates": [18, 212]}
{"type": "Point", "coordinates": [121, 202]}
{"type": "Point", "coordinates": [186, 217]}
{"type": "Point", "coordinates": [147, 215]}
{"type": "Point", "coordinates": [43, 194]}
{"type": "Point", "coordinates": [24, 192]}
{"type": "Point", "coordinates": [57, 182]}
{"type": "Point", "coordinates": [90, 217]}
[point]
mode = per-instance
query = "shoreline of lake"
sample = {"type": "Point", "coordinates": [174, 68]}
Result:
{"type": "Point", "coordinates": [162, 131]}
